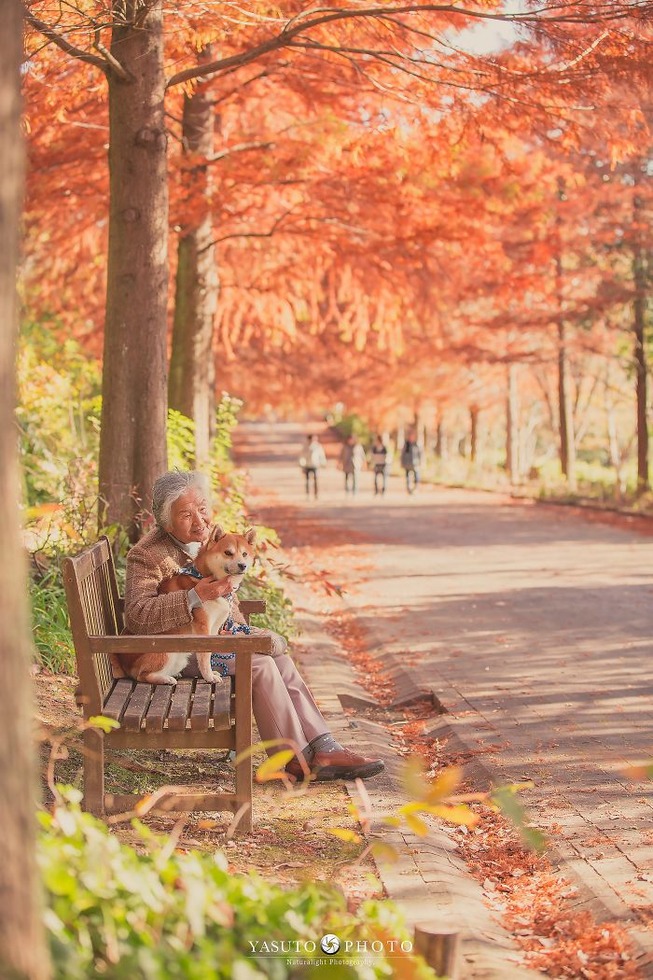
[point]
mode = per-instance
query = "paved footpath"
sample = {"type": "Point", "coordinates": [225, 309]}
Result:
{"type": "Point", "coordinates": [533, 627]}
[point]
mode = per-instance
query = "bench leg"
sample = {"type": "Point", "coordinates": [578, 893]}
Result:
{"type": "Point", "coordinates": [244, 794]}
{"type": "Point", "coordinates": [244, 781]}
{"type": "Point", "coordinates": [94, 772]}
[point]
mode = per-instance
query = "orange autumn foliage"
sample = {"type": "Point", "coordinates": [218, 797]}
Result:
{"type": "Point", "coordinates": [361, 211]}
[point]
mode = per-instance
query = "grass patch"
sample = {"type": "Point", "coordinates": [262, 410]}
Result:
{"type": "Point", "coordinates": [50, 627]}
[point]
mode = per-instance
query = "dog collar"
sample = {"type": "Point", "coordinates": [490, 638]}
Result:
{"type": "Point", "coordinates": [190, 570]}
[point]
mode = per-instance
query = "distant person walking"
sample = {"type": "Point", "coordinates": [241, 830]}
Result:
{"type": "Point", "coordinates": [381, 459]}
{"type": "Point", "coordinates": [312, 459]}
{"type": "Point", "coordinates": [411, 458]}
{"type": "Point", "coordinates": [352, 460]}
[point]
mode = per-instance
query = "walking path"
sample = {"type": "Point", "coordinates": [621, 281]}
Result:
{"type": "Point", "coordinates": [532, 627]}
{"type": "Point", "coordinates": [428, 880]}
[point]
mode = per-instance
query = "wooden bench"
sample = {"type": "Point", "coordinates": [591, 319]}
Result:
{"type": "Point", "coordinates": [192, 715]}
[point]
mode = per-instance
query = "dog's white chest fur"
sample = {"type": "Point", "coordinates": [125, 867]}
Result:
{"type": "Point", "coordinates": [217, 611]}
{"type": "Point", "coordinates": [176, 663]}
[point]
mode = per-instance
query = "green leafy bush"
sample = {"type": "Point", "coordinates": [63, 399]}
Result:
{"type": "Point", "coordinates": [58, 413]}
{"type": "Point", "coordinates": [116, 913]}
{"type": "Point", "coordinates": [180, 440]}
{"type": "Point", "coordinates": [279, 615]}
{"type": "Point", "coordinates": [50, 627]}
{"type": "Point", "coordinates": [226, 420]}
{"type": "Point", "coordinates": [353, 425]}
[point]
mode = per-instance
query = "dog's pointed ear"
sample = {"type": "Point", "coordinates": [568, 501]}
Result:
{"type": "Point", "coordinates": [216, 532]}
{"type": "Point", "coordinates": [250, 536]}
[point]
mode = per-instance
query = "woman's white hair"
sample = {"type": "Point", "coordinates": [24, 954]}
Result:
{"type": "Point", "coordinates": [171, 486]}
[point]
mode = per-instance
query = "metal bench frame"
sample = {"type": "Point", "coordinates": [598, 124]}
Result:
{"type": "Point", "coordinates": [192, 715]}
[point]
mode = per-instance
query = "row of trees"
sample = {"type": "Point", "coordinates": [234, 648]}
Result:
{"type": "Point", "coordinates": [348, 192]}
{"type": "Point", "coordinates": [347, 189]}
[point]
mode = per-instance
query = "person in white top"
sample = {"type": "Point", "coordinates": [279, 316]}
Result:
{"type": "Point", "coordinates": [352, 461]}
{"type": "Point", "coordinates": [313, 458]}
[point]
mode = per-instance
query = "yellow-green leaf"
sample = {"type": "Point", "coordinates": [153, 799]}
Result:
{"type": "Point", "coordinates": [459, 814]}
{"type": "Point", "coordinates": [392, 821]}
{"type": "Point", "coordinates": [516, 787]}
{"type": "Point", "coordinates": [273, 766]}
{"type": "Point", "coordinates": [413, 778]}
{"type": "Point", "coordinates": [103, 723]}
{"type": "Point", "coordinates": [512, 808]}
{"type": "Point", "coordinates": [417, 825]}
{"type": "Point", "coordinates": [639, 772]}
{"type": "Point", "coordinates": [253, 749]}
{"type": "Point", "coordinates": [384, 852]}
{"type": "Point", "coordinates": [444, 785]}
{"type": "Point", "coordinates": [415, 806]}
{"type": "Point", "coordinates": [347, 835]}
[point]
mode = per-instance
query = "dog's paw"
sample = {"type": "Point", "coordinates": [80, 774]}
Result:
{"type": "Point", "coordinates": [216, 678]}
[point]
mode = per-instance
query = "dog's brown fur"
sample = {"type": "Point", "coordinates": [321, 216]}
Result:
{"type": "Point", "coordinates": [222, 556]}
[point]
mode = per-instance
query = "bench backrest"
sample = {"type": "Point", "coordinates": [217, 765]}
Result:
{"type": "Point", "coordinates": [95, 609]}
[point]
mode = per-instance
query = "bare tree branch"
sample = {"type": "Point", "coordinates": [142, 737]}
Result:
{"type": "Point", "coordinates": [606, 13]}
{"type": "Point", "coordinates": [62, 43]}
{"type": "Point", "coordinates": [115, 64]}
{"type": "Point", "coordinates": [249, 234]}
{"type": "Point", "coordinates": [239, 148]}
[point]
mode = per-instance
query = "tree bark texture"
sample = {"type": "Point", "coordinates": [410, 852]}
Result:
{"type": "Point", "coordinates": [437, 443]}
{"type": "Point", "coordinates": [473, 433]}
{"type": "Point", "coordinates": [639, 352]}
{"type": "Point", "coordinates": [512, 426]}
{"type": "Point", "coordinates": [566, 411]}
{"type": "Point", "coordinates": [565, 402]}
{"type": "Point", "coordinates": [23, 951]}
{"type": "Point", "coordinates": [191, 388]}
{"type": "Point", "coordinates": [134, 392]}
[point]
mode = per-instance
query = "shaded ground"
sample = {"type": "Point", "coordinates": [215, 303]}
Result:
{"type": "Point", "coordinates": [291, 840]}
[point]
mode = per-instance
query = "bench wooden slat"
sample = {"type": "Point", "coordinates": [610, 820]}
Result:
{"type": "Point", "coordinates": [222, 705]}
{"type": "Point", "coordinates": [180, 705]}
{"type": "Point", "coordinates": [117, 701]}
{"type": "Point", "coordinates": [158, 709]}
{"type": "Point", "coordinates": [201, 707]}
{"type": "Point", "coordinates": [132, 718]}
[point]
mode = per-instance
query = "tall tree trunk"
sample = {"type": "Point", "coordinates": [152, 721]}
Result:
{"type": "Point", "coordinates": [639, 353]}
{"type": "Point", "coordinates": [473, 438]}
{"type": "Point", "coordinates": [191, 387]}
{"type": "Point", "coordinates": [23, 952]}
{"type": "Point", "coordinates": [512, 426]}
{"type": "Point", "coordinates": [439, 439]}
{"type": "Point", "coordinates": [134, 386]}
{"type": "Point", "coordinates": [565, 402]}
{"type": "Point", "coordinates": [566, 410]}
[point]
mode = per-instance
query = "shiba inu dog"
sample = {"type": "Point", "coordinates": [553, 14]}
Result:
{"type": "Point", "coordinates": [223, 555]}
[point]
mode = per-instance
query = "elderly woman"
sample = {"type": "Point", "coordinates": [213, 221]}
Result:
{"type": "Point", "coordinates": [283, 706]}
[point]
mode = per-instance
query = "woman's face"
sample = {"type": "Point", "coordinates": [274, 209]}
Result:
{"type": "Point", "coordinates": [189, 517]}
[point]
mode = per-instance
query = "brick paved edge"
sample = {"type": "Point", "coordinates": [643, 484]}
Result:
{"type": "Point", "coordinates": [592, 893]}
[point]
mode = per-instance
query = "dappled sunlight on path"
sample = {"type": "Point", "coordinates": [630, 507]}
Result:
{"type": "Point", "coordinates": [533, 626]}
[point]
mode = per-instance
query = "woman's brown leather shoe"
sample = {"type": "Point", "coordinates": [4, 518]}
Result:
{"type": "Point", "coordinates": [340, 764]}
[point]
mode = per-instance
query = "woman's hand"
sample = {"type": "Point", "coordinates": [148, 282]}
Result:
{"type": "Point", "coordinates": [212, 588]}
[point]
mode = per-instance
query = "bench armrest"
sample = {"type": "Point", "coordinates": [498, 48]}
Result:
{"type": "Point", "coordinates": [182, 643]}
